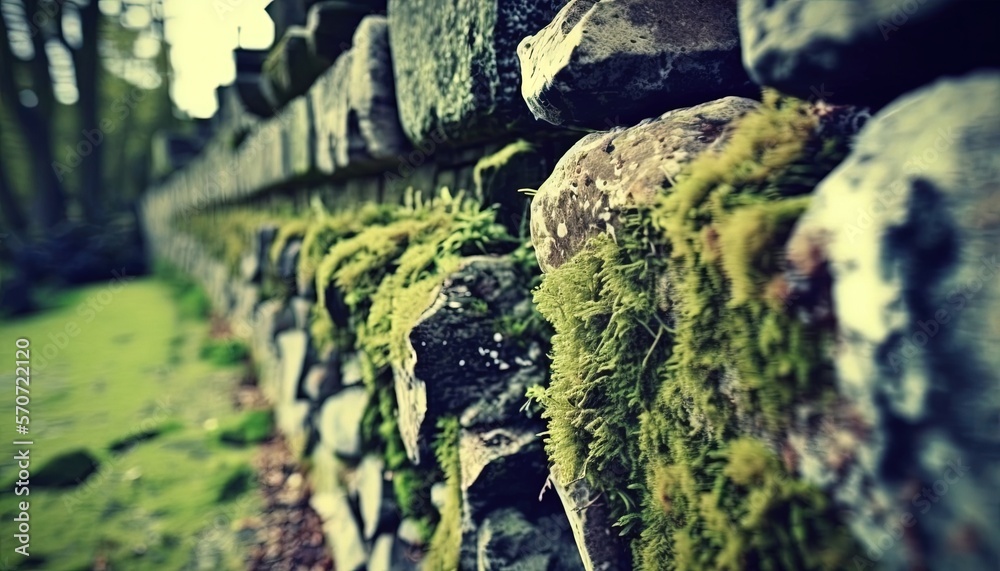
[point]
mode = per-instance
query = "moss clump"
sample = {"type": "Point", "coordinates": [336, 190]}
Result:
{"type": "Point", "coordinates": [445, 545]}
{"type": "Point", "coordinates": [224, 352]}
{"type": "Point", "coordinates": [384, 265]}
{"type": "Point", "coordinates": [255, 426]}
{"type": "Point", "coordinates": [609, 340]}
{"type": "Point", "coordinates": [66, 470]}
{"type": "Point", "coordinates": [236, 483]}
{"type": "Point", "coordinates": [192, 303]}
{"type": "Point", "coordinates": [677, 326]}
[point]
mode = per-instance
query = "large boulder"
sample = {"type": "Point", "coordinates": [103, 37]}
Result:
{"type": "Point", "coordinates": [601, 64]}
{"type": "Point", "coordinates": [608, 172]}
{"type": "Point", "coordinates": [456, 64]}
{"type": "Point", "coordinates": [865, 51]}
{"type": "Point", "coordinates": [908, 229]}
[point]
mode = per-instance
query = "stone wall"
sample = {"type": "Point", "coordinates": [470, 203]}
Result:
{"type": "Point", "coordinates": [740, 329]}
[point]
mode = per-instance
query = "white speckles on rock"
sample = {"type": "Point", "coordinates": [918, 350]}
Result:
{"type": "Point", "coordinates": [587, 174]}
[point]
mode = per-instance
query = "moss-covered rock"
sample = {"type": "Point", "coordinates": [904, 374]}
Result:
{"type": "Point", "coordinates": [681, 325]}
{"type": "Point", "coordinates": [607, 173]}
{"type": "Point", "coordinates": [456, 64]}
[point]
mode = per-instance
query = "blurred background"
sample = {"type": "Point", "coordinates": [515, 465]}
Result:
{"type": "Point", "coordinates": [85, 86]}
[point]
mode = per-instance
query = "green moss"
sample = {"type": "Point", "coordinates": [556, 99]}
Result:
{"type": "Point", "coordinates": [66, 470]}
{"type": "Point", "coordinates": [224, 352]}
{"type": "Point", "coordinates": [116, 381]}
{"type": "Point", "coordinates": [446, 543]}
{"type": "Point", "coordinates": [384, 264]}
{"type": "Point", "coordinates": [191, 300]}
{"type": "Point", "coordinates": [254, 426]}
{"type": "Point", "coordinates": [608, 341]}
{"type": "Point", "coordinates": [677, 325]}
{"type": "Point", "coordinates": [236, 483]}
{"type": "Point", "coordinates": [293, 229]}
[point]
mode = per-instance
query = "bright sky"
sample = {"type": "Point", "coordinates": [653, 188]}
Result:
{"type": "Point", "coordinates": [202, 35]}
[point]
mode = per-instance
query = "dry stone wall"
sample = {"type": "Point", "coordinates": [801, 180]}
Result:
{"type": "Point", "coordinates": [731, 329]}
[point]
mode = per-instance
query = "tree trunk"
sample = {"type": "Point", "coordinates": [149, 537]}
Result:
{"type": "Point", "coordinates": [50, 203]}
{"type": "Point", "coordinates": [86, 60]}
{"type": "Point", "coordinates": [12, 214]}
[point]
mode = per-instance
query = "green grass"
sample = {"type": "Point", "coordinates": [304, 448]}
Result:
{"type": "Point", "coordinates": [117, 373]}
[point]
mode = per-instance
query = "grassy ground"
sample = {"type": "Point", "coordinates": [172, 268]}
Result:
{"type": "Point", "coordinates": [116, 372]}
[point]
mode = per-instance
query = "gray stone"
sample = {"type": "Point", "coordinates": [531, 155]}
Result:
{"type": "Point", "coordinates": [329, 97]}
{"type": "Point", "coordinates": [381, 557]}
{"type": "Point", "coordinates": [508, 541]}
{"type": "Point", "coordinates": [491, 459]}
{"type": "Point", "coordinates": [500, 176]}
{"type": "Point", "coordinates": [293, 350]}
{"type": "Point", "coordinates": [321, 381]}
{"type": "Point", "coordinates": [409, 532]}
{"type": "Point", "coordinates": [908, 228]}
{"type": "Point", "coordinates": [331, 24]}
{"type": "Point", "coordinates": [456, 67]}
{"type": "Point", "coordinates": [372, 98]}
{"type": "Point", "coordinates": [301, 310]}
{"type": "Point", "coordinates": [439, 492]}
{"type": "Point", "coordinates": [292, 421]}
{"type": "Point", "coordinates": [340, 421]}
{"type": "Point", "coordinates": [341, 530]}
{"type": "Point", "coordinates": [350, 371]}
{"type": "Point", "coordinates": [459, 357]}
{"type": "Point", "coordinates": [371, 488]}
{"type": "Point", "coordinates": [601, 64]}
{"type": "Point", "coordinates": [298, 137]}
{"type": "Point", "coordinates": [865, 51]}
{"type": "Point", "coordinates": [291, 67]}
{"type": "Point", "coordinates": [605, 173]}
{"type": "Point", "coordinates": [600, 546]}
{"type": "Point", "coordinates": [288, 262]}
